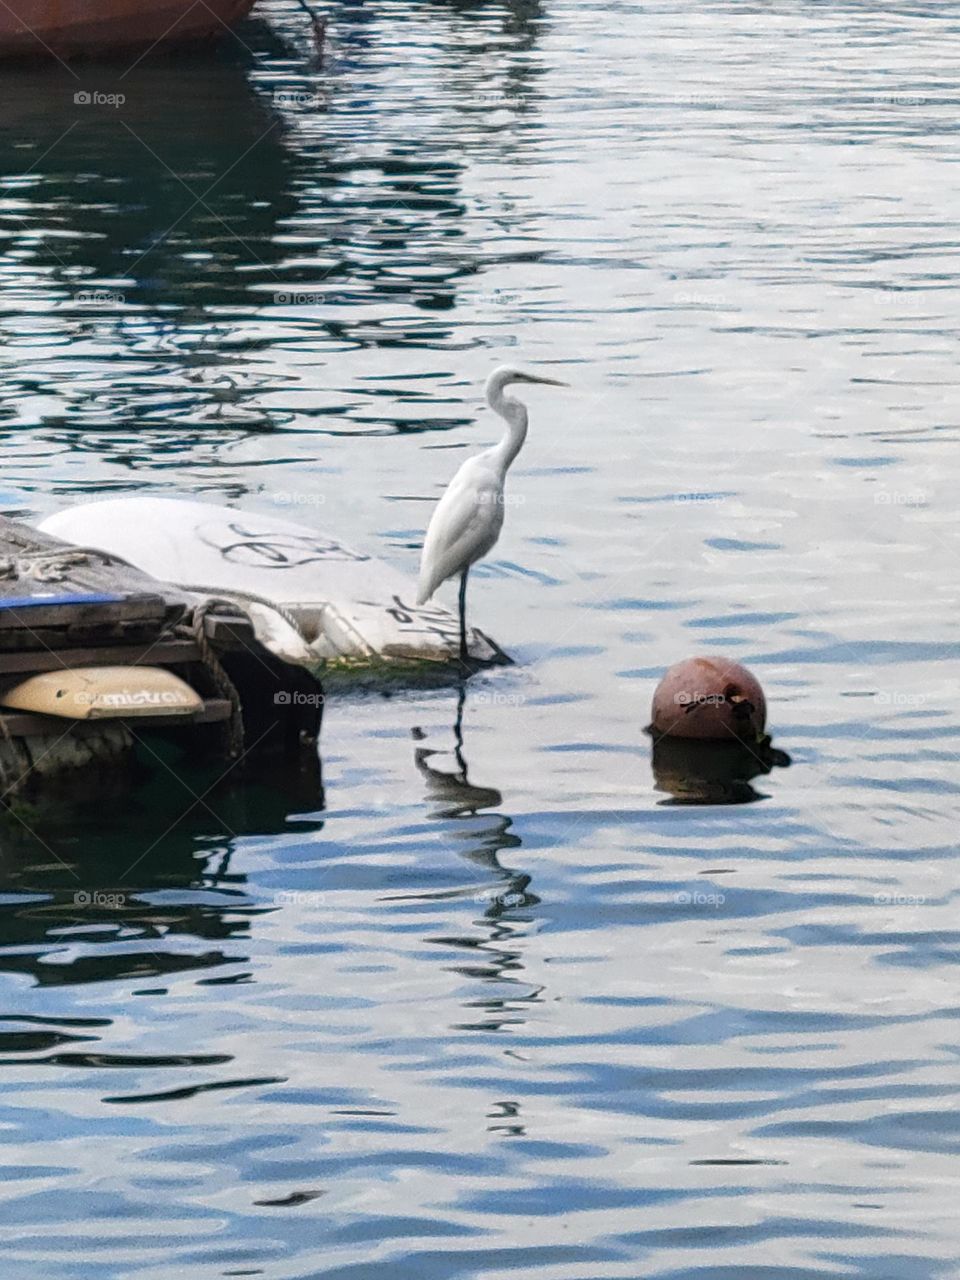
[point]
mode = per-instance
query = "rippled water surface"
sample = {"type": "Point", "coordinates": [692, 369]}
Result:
{"type": "Point", "coordinates": [535, 1020]}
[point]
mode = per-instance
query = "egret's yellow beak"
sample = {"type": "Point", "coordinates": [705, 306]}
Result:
{"type": "Point", "coordinates": [547, 382]}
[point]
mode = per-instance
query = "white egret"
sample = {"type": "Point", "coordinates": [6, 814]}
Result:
{"type": "Point", "coordinates": [468, 518]}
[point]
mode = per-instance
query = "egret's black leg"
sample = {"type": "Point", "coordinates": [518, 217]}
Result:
{"type": "Point", "coordinates": [463, 616]}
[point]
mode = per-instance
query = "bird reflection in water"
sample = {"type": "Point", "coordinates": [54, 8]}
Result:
{"type": "Point", "coordinates": [497, 953]}
{"type": "Point", "coordinates": [697, 771]}
{"type": "Point", "coordinates": [459, 798]}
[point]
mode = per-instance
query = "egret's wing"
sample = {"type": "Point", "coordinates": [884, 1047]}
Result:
{"type": "Point", "coordinates": [464, 526]}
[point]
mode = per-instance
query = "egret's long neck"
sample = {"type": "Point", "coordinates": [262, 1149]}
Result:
{"type": "Point", "coordinates": [514, 415]}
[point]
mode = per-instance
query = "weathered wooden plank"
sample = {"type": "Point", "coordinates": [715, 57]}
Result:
{"type": "Point", "coordinates": [161, 653]}
{"type": "Point", "coordinates": [38, 638]}
{"type": "Point", "coordinates": [77, 610]}
{"type": "Point", "coordinates": [46, 583]}
{"type": "Point", "coordinates": [20, 538]}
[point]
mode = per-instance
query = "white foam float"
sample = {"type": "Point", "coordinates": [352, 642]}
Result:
{"type": "Point", "coordinates": [348, 607]}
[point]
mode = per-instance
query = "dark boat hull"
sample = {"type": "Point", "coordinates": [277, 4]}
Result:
{"type": "Point", "coordinates": [85, 28]}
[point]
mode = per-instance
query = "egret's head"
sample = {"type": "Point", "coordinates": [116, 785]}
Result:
{"type": "Point", "coordinates": [507, 373]}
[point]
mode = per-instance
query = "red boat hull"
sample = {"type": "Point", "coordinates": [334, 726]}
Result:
{"type": "Point", "coordinates": [71, 28]}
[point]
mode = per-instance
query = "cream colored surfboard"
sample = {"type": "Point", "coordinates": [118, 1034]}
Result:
{"type": "Point", "coordinates": [104, 693]}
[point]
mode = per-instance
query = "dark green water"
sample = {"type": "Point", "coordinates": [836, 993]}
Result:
{"type": "Point", "coordinates": [539, 1022]}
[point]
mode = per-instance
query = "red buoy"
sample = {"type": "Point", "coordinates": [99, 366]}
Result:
{"type": "Point", "coordinates": [709, 698]}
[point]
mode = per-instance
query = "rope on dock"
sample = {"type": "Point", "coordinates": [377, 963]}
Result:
{"type": "Point", "coordinates": [221, 681]}
{"type": "Point", "coordinates": [46, 566]}
{"type": "Point", "coordinates": [236, 594]}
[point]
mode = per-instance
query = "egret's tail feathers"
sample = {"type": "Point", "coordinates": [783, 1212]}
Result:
{"type": "Point", "coordinates": [427, 582]}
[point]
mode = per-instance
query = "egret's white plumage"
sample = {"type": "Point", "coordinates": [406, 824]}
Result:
{"type": "Point", "coordinates": [468, 518]}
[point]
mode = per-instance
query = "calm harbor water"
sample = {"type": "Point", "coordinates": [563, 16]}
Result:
{"type": "Point", "coordinates": [542, 1021]}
